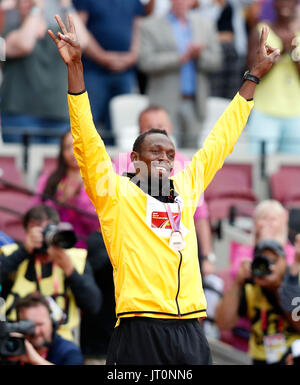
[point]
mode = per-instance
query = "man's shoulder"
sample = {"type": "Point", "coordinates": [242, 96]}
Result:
{"type": "Point", "coordinates": [202, 22]}
{"type": "Point", "coordinates": [153, 21]}
{"type": "Point", "coordinates": [9, 249]}
{"type": "Point", "coordinates": [64, 344]}
{"type": "Point", "coordinates": [63, 351]}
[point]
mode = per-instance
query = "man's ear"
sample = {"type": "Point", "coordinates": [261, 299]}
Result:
{"type": "Point", "coordinates": [134, 156]}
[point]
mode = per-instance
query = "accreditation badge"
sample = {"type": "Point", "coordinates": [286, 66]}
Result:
{"type": "Point", "coordinates": [275, 347]}
{"type": "Point", "coordinates": [176, 241]}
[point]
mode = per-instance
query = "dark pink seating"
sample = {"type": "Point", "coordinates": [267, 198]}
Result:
{"type": "Point", "coordinates": [231, 186]}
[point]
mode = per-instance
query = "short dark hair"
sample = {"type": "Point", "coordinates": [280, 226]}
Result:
{"type": "Point", "coordinates": [31, 300]}
{"type": "Point", "coordinates": [140, 139]}
{"type": "Point", "coordinates": [41, 212]}
{"type": "Point", "coordinates": [151, 108]}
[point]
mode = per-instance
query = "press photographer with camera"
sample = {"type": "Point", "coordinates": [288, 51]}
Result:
{"type": "Point", "coordinates": [257, 294]}
{"type": "Point", "coordinates": [46, 263]}
{"type": "Point", "coordinates": [40, 344]}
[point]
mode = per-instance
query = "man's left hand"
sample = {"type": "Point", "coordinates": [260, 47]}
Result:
{"type": "Point", "coordinates": [31, 356]}
{"type": "Point", "coordinates": [59, 255]}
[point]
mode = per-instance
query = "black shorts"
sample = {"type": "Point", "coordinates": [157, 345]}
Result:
{"type": "Point", "coordinates": [152, 341]}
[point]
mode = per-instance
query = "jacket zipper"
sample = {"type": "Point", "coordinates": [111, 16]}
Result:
{"type": "Point", "coordinates": [176, 299]}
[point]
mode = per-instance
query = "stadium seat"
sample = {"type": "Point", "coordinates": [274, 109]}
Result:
{"type": "Point", "coordinates": [124, 112]}
{"type": "Point", "coordinates": [49, 165]}
{"type": "Point", "coordinates": [10, 172]}
{"type": "Point", "coordinates": [285, 186]}
{"type": "Point", "coordinates": [215, 106]}
{"type": "Point", "coordinates": [231, 187]}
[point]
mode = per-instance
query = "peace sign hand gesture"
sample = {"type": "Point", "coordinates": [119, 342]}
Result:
{"type": "Point", "coordinates": [265, 57]}
{"type": "Point", "coordinates": [67, 42]}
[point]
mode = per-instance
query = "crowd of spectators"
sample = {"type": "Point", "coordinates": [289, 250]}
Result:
{"type": "Point", "coordinates": [178, 53]}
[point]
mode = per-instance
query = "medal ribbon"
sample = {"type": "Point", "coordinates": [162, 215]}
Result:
{"type": "Point", "coordinates": [175, 224]}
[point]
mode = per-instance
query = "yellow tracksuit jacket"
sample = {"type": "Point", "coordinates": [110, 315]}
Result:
{"type": "Point", "coordinates": [151, 279]}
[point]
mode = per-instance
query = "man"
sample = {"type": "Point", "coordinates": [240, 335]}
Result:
{"type": "Point", "coordinates": [63, 275]}
{"type": "Point", "coordinates": [177, 52]}
{"type": "Point", "coordinates": [26, 42]}
{"type": "Point", "coordinates": [263, 301]}
{"type": "Point", "coordinates": [155, 116]}
{"type": "Point", "coordinates": [44, 347]}
{"type": "Point", "coordinates": [149, 230]}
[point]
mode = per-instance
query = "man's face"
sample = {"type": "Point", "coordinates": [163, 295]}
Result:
{"type": "Point", "coordinates": [158, 119]}
{"type": "Point", "coordinates": [25, 6]}
{"type": "Point", "coordinates": [271, 224]}
{"type": "Point", "coordinates": [182, 6]}
{"type": "Point", "coordinates": [43, 330]}
{"type": "Point", "coordinates": [155, 158]}
{"type": "Point", "coordinates": [35, 228]}
{"type": "Point", "coordinates": [285, 8]}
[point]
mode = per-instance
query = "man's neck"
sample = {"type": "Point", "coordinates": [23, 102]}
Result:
{"type": "Point", "coordinates": [180, 16]}
{"type": "Point", "coordinates": [162, 189]}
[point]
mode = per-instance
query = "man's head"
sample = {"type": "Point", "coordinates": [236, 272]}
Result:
{"type": "Point", "coordinates": [180, 7]}
{"type": "Point", "coordinates": [153, 155]}
{"type": "Point", "coordinates": [155, 117]}
{"type": "Point", "coordinates": [285, 9]}
{"type": "Point", "coordinates": [35, 307]}
{"type": "Point", "coordinates": [271, 221]}
{"type": "Point", "coordinates": [24, 7]}
{"type": "Point", "coordinates": [40, 215]}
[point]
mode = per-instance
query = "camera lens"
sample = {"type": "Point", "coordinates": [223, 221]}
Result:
{"type": "Point", "coordinates": [260, 266]}
{"type": "Point", "coordinates": [13, 344]}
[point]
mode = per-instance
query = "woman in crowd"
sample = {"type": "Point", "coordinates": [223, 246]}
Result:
{"type": "Point", "coordinates": [64, 187]}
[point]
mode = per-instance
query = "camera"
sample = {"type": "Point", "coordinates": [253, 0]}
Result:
{"type": "Point", "coordinates": [260, 266]}
{"type": "Point", "coordinates": [14, 346]}
{"type": "Point", "coordinates": [61, 235]}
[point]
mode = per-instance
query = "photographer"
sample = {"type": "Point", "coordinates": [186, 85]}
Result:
{"type": "Point", "coordinates": [64, 275]}
{"type": "Point", "coordinates": [257, 294]}
{"type": "Point", "coordinates": [44, 347]}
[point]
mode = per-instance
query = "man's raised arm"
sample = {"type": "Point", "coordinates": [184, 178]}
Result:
{"type": "Point", "coordinates": [221, 140]}
{"type": "Point", "coordinates": [94, 162]}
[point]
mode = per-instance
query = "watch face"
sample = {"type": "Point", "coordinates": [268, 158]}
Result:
{"type": "Point", "coordinates": [246, 73]}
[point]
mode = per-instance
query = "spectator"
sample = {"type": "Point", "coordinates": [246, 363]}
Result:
{"type": "Point", "coordinates": [270, 220]}
{"type": "Point", "coordinates": [96, 329]}
{"type": "Point", "coordinates": [63, 275]}
{"type": "Point", "coordinates": [26, 73]}
{"type": "Point", "coordinates": [111, 54]}
{"type": "Point", "coordinates": [177, 53]}
{"type": "Point", "coordinates": [275, 120]}
{"type": "Point", "coordinates": [273, 329]}
{"type": "Point", "coordinates": [227, 80]}
{"type": "Point", "coordinates": [65, 186]}
{"type": "Point", "coordinates": [44, 347]}
{"type": "Point", "coordinates": [155, 116]}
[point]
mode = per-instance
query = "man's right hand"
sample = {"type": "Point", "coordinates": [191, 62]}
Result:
{"type": "Point", "coordinates": [70, 51]}
{"type": "Point", "coordinates": [265, 57]}
{"type": "Point", "coordinates": [244, 272]}
{"type": "Point", "coordinates": [34, 239]}
{"type": "Point", "coordinates": [67, 42]}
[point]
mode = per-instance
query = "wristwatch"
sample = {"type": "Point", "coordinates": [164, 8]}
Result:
{"type": "Point", "coordinates": [211, 257]}
{"type": "Point", "coordinates": [252, 78]}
